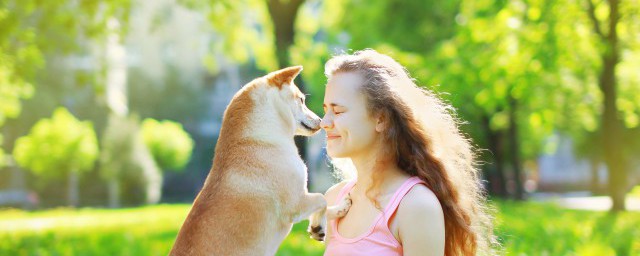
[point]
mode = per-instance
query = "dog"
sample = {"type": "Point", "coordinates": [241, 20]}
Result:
{"type": "Point", "coordinates": [256, 188]}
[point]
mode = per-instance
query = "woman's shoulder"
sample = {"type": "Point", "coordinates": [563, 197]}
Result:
{"type": "Point", "coordinates": [420, 207]}
{"type": "Point", "coordinates": [420, 220]}
{"type": "Point", "coordinates": [420, 199]}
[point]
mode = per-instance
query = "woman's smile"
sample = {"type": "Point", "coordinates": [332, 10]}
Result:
{"type": "Point", "coordinates": [332, 136]}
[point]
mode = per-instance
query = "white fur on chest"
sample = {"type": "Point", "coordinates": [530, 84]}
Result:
{"type": "Point", "coordinates": [300, 169]}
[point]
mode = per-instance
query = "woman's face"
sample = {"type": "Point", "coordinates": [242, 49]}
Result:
{"type": "Point", "coordinates": [351, 130]}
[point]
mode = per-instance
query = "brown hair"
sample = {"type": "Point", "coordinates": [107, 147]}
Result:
{"type": "Point", "coordinates": [423, 139]}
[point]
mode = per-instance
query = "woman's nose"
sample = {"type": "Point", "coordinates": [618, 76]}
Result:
{"type": "Point", "coordinates": [326, 122]}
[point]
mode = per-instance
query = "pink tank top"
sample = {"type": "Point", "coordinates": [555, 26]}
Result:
{"type": "Point", "coordinates": [378, 240]}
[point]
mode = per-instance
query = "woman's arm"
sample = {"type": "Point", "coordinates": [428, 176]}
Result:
{"type": "Point", "coordinates": [421, 223]}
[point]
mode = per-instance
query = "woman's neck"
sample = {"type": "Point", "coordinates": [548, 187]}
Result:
{"type": "Point", "coordinates": [389, 174]}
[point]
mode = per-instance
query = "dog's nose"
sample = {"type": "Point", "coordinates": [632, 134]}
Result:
{"type": "Point", "coordinates": [316, 123]}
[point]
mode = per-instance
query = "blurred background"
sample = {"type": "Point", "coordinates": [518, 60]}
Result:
{"type": "Point", "coordinates": [110, 110]}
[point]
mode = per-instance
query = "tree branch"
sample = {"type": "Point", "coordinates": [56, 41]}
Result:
{"type": "Point", "coordinates": [596, 23]}
{"type": "Point", "coordinates": [614, 17]}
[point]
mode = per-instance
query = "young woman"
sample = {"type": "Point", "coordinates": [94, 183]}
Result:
{"type": "Point", "coordinates": [417, 189]}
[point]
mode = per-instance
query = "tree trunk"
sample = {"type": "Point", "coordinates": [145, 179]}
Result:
{"type": "Point", "coordinates": [73, 196]}
{"type": "Point", "coordinates": [283, 15]}
{"type": "Point", "coordinates": [595, 177]}
{"type": "Point", "coordinates": [116, 93]}
{"type": "Point", "coordinates": [498, 184]}
{"type": "Point", "coordinates": [10, 131]}
{"type": "Point", "coordinates": [612, 127]}
{"type": "Point", "coordinates": [113, 186]}
{"type": "Point", "coordinates": [514, 147]}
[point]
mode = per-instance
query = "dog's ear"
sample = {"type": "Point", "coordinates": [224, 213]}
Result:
{"type": "Point", "coordinates": [283, 76]}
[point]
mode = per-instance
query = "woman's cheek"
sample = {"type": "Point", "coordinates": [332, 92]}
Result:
{"type": "Point", "coordinates": [338, 124]}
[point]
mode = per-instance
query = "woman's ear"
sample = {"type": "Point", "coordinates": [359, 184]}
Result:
{"type": "Point", "coordinates": [381, 122]}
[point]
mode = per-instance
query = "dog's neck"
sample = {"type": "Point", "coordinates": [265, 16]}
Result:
{"type": "Point", "coordinates": [257, 114]}
{"type": "Point", "coordinates": [270, 121]}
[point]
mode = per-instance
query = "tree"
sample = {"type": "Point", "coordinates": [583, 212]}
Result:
{"type": "Point", "coordinates": [502, 63]}
{"type": "Point", "coordinates": [596, 51]}
{"type": "Point", "coordinates": [613, 124]}
{"type": "Point", "coordinates": [125, 158]}
{"type": "Point", "coordinates": [59, 146]}
{"type": "Point", "coordinates": [33, 35]}
{"type": "Point", "coordinates": [138, 154]}
{"type": "Point", "coordinates": [170, 145]}
{"type": "Point", "coordinates": [31, 29]}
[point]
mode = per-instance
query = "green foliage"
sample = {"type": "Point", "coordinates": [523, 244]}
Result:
{"type": "Point", "coordinates": [19, 57]}
{"type": "Point", "coordinates": [12, 88]}
{"type": "Point", "coordinates": [414, 26]}
{"type": "Point", "coordinates": [58, 145]}
{"type": "Point", "coordinates": [501, 59]}
{"type": "Point", "coordinates": [311, 54]}
{"type": "Point", "coordinates": [31, 29]}
{"type": "Point", "coordinates": [324, 28]}
{"type": "Point", "coordinates": [169, 143]}
{"type": "Point", "coordinates": [245, 31]}
{"type": "Point", "coordinates": [635, 192]}
{"type": "Point", "coordinates": [523, 228]}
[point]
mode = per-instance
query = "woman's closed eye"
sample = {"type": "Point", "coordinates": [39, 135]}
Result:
{"type": "Point", "coordinates": [338, 110]}
{"type": "Point", "coordinates": [334, 112]}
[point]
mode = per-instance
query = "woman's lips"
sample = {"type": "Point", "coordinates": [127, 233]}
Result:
{"type": "Point", "coordinates": [331, 137]}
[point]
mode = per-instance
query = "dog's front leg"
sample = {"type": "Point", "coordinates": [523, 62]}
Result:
{"type": "Point", "coordinates": [312, 202]}
{"type": "Point", "coordinates": [317, 224]}
{"type": "Point", "coordinates": [318, 220]}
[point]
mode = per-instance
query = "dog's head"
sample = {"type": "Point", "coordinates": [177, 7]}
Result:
{"type": "Point", "coordinates": [306, 122]}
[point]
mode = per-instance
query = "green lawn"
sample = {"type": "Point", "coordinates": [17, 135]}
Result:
{"type": "Point", "coordinates": [523, 228]}
{"type": "Point", "coordinates": [543, 229]}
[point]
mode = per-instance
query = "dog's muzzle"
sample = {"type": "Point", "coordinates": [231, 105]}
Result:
{"type": "Point", "coordinates": [308, 127]}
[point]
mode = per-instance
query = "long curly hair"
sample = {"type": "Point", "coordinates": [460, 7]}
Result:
{"type": "Point", "coordinates": [422, 137]}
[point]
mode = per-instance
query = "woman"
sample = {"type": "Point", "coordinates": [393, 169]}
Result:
{"type": "Point", "coordinates": [417, 190]}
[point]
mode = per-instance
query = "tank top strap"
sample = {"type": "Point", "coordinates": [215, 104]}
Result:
{"type": "Point", "coordinates": [400, 193]}
{"type": "Point", "coordinates": [347, 188]}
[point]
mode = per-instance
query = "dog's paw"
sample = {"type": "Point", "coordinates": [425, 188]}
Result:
{"type": "Point", "coordinates": [316, 232]}
{"type": "Point", "coordinates": [345, 206]}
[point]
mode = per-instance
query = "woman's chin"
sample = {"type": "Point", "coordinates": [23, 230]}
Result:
{"type": "Point", "coordinates": [334, 153]}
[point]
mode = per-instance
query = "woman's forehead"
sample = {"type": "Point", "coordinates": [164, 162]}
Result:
{"type": "Point", "coordinates": [343, 89]}
{"type": "Point", "coordinates": [345, 82]}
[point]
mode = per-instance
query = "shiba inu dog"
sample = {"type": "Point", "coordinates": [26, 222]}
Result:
{"type": "Point", "coordinates": [256, 188]}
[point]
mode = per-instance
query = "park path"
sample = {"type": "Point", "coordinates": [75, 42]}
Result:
{"type": "Point", "coordinates": [583, 201]}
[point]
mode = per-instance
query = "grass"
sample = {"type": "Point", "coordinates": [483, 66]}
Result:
{"type": "Point", "coordinates": [147, 230]}
{"type": "Point", "coordinates": [543, 229]}
{"type": "Point", "coordinates": [523, 228]}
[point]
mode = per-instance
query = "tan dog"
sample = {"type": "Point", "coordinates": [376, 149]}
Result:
{"type": "Point", "coordinates": [256, 188]}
